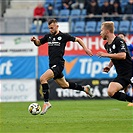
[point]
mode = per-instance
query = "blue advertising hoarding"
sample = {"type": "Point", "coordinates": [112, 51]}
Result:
{"type": "Point", "coordinates": [80, 67]}
{"type": "Point", "coordinates": [17, 67]}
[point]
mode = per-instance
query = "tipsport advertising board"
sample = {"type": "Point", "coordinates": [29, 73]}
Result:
{"type": "Point", "coordinates": [80, 67]}
{"type": "Point", "coordinates": [17, 67]}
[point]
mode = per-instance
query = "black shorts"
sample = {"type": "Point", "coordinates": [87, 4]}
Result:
{"type": "Point", "coordinates": [123, 80]}
{"type": "Point", "coordinates": [57, 70]}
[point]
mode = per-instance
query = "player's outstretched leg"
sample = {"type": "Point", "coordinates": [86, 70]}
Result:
{"type": "Point", "coordinates": [86, 89]}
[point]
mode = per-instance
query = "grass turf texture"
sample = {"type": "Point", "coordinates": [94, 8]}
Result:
{"type": "Point", "coordinates": [72, 116]}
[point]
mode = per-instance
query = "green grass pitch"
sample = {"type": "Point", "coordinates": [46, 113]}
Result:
{"type": "Point", "coordinates": [69, 116]}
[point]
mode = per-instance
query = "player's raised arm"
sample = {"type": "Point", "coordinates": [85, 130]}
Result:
{"type": "Point", "coordinates": [88, 51]}
{"type": "Point", "coordinates": [35, 41]}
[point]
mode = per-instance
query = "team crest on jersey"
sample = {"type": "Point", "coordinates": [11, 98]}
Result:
{"type": "Point", "coordinates": [113, 46]}
{"type": "Point", "coordinates": [59, 38]}
{"type": "Point", "coordinates": [122, 46]}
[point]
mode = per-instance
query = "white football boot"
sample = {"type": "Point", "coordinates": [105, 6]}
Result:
{"type": "Point", "coordinates": [45, 107]}
{"type": "Point", "coordinates": [88, 91]}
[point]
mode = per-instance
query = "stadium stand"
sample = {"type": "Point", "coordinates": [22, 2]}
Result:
{"type": "Point", "coordinates": [33, 28]}
{"type": "Point", "coordinates": [75, 14]}
{"type": "Point", "coordinates": [90, 26]}
{"type": "Point", "coordinates": [64, 15]}
{"type": "Point", "coordinates": [44, 28]}
{"type": "Point", "coordinates": [131, 27]}
{"type": "Point", "coordinates": [124, 25]}
{"type": "Point", "coordinates": [116, 24]}
{"type": "Point", "coordinates": [24, 16]}
{"type": "Point", "coordinates": [79, 26]}
{"type": "Point", "coordinates": [98, 27]}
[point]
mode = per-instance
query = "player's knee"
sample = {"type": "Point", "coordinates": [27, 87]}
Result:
{"type": "Point", "coordinates": [110, 93]}
{"type": "Point", "coordinates": [43, 80]}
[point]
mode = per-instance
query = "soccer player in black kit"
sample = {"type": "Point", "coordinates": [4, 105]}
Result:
{"type": "Point", "coordinates": [56, 47]}
{"type": "Point", "coordinates": [119, 57]}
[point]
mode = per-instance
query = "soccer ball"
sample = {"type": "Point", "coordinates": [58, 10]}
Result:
{"type": "Point", "coordinates": [34, 108]}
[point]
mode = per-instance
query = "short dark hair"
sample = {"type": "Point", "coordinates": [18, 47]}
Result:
{"type": "Point", "coordinates": [122, 33]}
{"type": "Point", "coordinates": [50, 21]}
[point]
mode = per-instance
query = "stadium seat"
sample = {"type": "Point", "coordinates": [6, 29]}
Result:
{"type": "Point", "coordinates": [47, 2]}
{"type": "Point", "coordinates": [100, 2]}
{"type": "Point", "coordinates": [83, 14]}
{"type": "Point", "coordinates": [33, 28]}
{"type": "Point", "coordinates": [124, 25]}
{"type": "Point", "coordinates": [44, 28]}
{"type": "Point", "coordinates": [75, 14]}
{"type": "Point", "coordinates": [58, 4]}
{"type": "Point", "coordinates": [79, 26]}
{"type": "Point", "coordinates": [116, 24]}
{"type": "Point", "coordinates": [131, 27]}
{"type": "Point", "coordinates": [90, 26]}
{"type": "Point", "coordinates": [72, 26]}
{"type": "Point", "coordinates": [98, 27]}
{"type": "Point", "coordinates": [64, 15]}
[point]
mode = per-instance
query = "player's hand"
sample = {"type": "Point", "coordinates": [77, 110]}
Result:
{"type": "Point", "coordinates": [106, 69]}
{"type": "Point", "coordinates": [101, 54]}
{"type": "Point", "coordinates": [33, 39]}
{"type": "Point", "coordinates": [89, 52]}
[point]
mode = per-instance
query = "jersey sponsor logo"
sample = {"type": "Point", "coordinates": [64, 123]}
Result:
{"type": "Point", "coordinates": [54, 43]}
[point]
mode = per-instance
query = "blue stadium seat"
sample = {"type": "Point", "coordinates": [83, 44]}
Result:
{"type": "Point", "coordinates": [72, 26]}
{"type": "Point", "coordinates": [124, 25]}
{"type": "Point", "coordinates": [75, 14]}
{"type": "Point", "coordinates": [79, 26]}
{"type": "Point", "coordinates": [98, 27]}
{"type": "Point", "coordinates": [83, 14]}
{"type": "Point", "coordinates": [47, 2]}
{"type": "Point", "coordinates": [33, 28]}
{"type": "Point", "coordinates": [90, 26]}
{"type": "Point", "coordinates": [58, 4]}
{"type": "Point", "coordinates": [116, 25]}
{"type": "Point", "coordinates": [131, 27]}
{"type": "Point", "coordinates": [64, 15]}
{"type": "Point", "coordinates": [44, 28]}
{"type": "Point", "coordinates": [100, 2]}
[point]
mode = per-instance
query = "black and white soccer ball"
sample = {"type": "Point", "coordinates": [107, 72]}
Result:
{"type": "Point", "coordinates": [34, 108]}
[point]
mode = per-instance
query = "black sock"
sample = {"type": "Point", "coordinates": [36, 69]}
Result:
{"type": "Point", "coordinates": [122, 97]}
{"type": "Point", "coordinates": [45, 92]}
{"type": "Point", "coordinates": [75, 86]}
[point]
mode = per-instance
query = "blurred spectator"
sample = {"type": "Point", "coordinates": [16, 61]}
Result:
{"type": "Point", "coordinates": [106, 10]}
{"type": "Point", "coordinates": [70, 4]}
{"type": "Point", "coordinates": [87, 2]}
{"type": "Point", "coordinates": [50, 10]}
{"type": "Point", "coordinates": [129, 9]}
{"type": "Point", "coordinates": [92, 10]}
{"type": "Point", "coordinates": [39, 13]}
{"type": "Point", "coordinates": [116, 8]}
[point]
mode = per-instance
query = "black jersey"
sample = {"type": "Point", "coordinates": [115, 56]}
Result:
{"type": "Point", "coordinates": [123, 67]}
{"type": "Point", "coordinates": [56, 46]}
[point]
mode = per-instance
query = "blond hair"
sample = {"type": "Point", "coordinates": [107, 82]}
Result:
{"type": "Point", "coordinates": [109, 25]}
